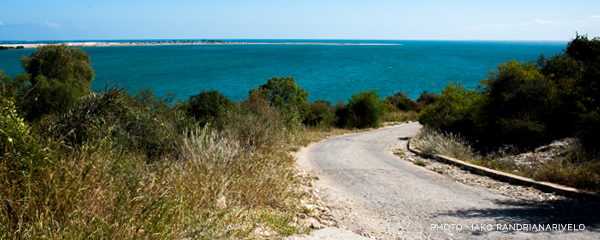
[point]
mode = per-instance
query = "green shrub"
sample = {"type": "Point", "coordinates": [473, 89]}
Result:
{"type": "Point", "coordinates": [517, 104]}
{"type": "Point", "coordinates": [401, 101]}
{"type": "Point", "coordinates": [456, 110]}
{"type": "Point", "coordinates": [208, 107]}
{"type": "Point", "coordinates": [364, 109]}
{"type": "Point", "coordinates": [17, 143]}
{"type": "Point", "coordinates": [139, 122]}
{"type": "Point", "coordinates": [318, 113]}
{"type": "Point", "coordinates": [427, 98]}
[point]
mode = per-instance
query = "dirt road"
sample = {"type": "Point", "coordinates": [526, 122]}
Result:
{"type": "Point", "coordinates": [373, 193]}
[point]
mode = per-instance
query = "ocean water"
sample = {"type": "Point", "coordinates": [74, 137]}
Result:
{"type": "Point", "coordinates": [330, 72]}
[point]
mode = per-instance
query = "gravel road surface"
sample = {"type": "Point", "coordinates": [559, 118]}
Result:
{"type": "Point", "coordinates": [373, 193]}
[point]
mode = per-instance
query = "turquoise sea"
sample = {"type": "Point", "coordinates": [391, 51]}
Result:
{"type": "Point", "coordinates": [330, 72]}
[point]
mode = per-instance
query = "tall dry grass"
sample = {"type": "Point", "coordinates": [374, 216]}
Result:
{"type": "Point", "coordinates": [400, 116]}
{"type": "Point", "coordinates": [431, 142]}
{"type": "Point", "coordinates": [221, 185]}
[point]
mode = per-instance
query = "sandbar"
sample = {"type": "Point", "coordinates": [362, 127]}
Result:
{"type": "Point", "coordinates": [160, 43]}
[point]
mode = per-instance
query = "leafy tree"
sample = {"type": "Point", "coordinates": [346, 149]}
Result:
{"type": "Point", "coordinates": [58, 76]}
{"type": "Point", "coordinates": [281, 92]}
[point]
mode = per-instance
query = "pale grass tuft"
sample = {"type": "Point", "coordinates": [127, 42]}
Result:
{"type": "Point", "coordinates": [432, 142]}
{"type": "Point", "coordinates": [207, 146]}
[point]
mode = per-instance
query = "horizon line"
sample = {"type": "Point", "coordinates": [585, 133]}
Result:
{"type": "Point", "coordinates": [284, 39]}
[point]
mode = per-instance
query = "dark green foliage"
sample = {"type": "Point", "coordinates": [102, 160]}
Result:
{"type": "Point", "coordinates": [208, 107]}
{"type": "Point", "coordinates": [16, 140]}
{"type": "Point", "coordinates": [364, 109]}
{"type": "Point", "coordinates": [527, 104]}
{"type": "Point", "coordinates": [317, 113]}
{"type": "Point", "coordinates": [344, 116]}
{"type": "Point", "coordinates": [142, 122]}
{"type": "Point", "coordinates": [281, 92]}
{"type": "Point", "coordinates": [58, 76]}
{"type": "Point", "coordinates": [517, 102]}
{"type": "Point", "coordinates": [401, 101]}
{"type": "Point", "coordinates": [427, 98]}
{"type": "Point", "coordinates": [454, 111]}
{"type": "Point", "coordinates": [589, 134]}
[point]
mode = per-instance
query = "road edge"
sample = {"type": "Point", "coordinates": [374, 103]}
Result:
{"type": "Point", "coordinates": [511, 178]}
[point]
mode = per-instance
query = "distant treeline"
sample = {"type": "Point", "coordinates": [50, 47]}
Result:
{"type": "Point", "coordinates": [6, 48]}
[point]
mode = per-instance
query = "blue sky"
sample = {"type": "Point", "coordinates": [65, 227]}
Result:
{"type": "Point", "coordinates": [309, 19]}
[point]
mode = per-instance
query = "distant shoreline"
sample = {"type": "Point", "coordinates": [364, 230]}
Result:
{"type": "Point", "coordinates": [163, 43]}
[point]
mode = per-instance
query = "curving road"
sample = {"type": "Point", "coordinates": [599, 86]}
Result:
{"type": "Point", "coordinates": [373, 193]}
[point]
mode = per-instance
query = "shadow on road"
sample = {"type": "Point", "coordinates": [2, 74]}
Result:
{"type": "Point", "coordinates": [576, 212]}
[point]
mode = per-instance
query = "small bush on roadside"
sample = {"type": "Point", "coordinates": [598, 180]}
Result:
{"type": "Point", "coordinates": [364, 109]}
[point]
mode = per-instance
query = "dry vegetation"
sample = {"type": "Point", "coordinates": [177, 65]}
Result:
{"type": "Point", "coordinates": [569, 167]}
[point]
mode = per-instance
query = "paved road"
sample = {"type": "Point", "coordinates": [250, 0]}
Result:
{"type": "Point", "coordinates": [373, 193]}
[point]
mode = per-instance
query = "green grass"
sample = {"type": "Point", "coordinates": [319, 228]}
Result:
{"type": "Point", "coordinates": [420, 163]}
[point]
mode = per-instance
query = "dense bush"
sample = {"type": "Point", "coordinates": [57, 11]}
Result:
{"type": "Point", "coordinates": [517, 101]}
{"type": "Point", "coordinates": [364, 109]}
{"type": "Point", "coordinates": [528, 104]}
{"type": "Point", "coordinates": [208, 107]}
{"type": "Point", "coordinates": [401, 101]}
{"type": "Point", "coordinates": [426, 98]}
{"type": "Point", "coordinates": [318, 113]}
{"type": "Point", "coordinates": [142, 122]}
{"type": "Point", "coordinates": [455, 110]}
